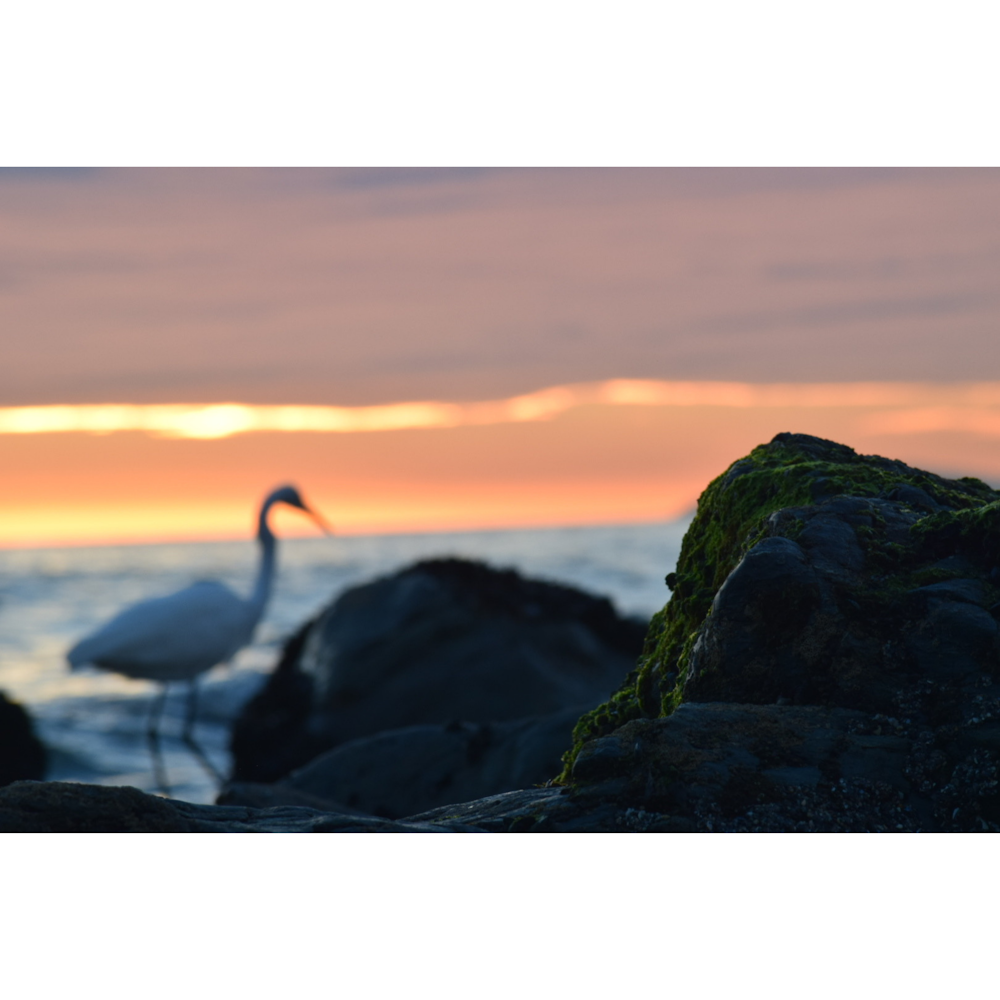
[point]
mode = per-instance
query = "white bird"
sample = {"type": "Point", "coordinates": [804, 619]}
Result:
{"type": "Point", "coordinates": [180, 637]}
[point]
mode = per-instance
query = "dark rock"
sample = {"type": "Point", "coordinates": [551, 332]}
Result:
{"type": "Point", "coordinates": [65, 807]}
{"type": "Point", "coordinates": [271, 737]}
{"type": "Point", "coordinates": [754, 768]}
{"type": "Point", "coordinates": [600, 758]}
{"type": "Point", "coordinates": [410, 770]}
{"type": "Point", "coordinates": [969, 591]}
{"type": "Point", "coordinates": [22, 755]}
{"type": "Point", "coordinates": [521, 811]}
{"type": "Point", "coordinates": [258, 796]}
{"type": "Point", "coordinates": [62, 807]}
{"type": "Point", "coordinates": [442, 640]}
{"type": "Point", "coordinates": [749, 651]}
{"type": "Point", "coordinates": [801, 620]}
{"type": "Point", "coordinates": [954, 642]}
{"type": "Point", "coordinates": [820, 576]}
{"type": "Point", "coordinates": [814, 581]}
{"type": "Point", "coordinates": [915, 497]}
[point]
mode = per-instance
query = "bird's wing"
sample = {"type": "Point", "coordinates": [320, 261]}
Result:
{"type": "Point", "coordinates": [171, 638]}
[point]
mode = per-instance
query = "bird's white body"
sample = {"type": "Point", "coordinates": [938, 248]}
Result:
{"type": "Point", "coordinates": [183, 635]}
{"type": "Point", "coordinates": [172, 638]}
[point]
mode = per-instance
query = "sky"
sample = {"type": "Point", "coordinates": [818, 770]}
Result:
{"type": "Point", "coordinates": [597, 343]}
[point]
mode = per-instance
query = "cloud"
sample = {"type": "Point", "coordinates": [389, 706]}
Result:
{"type": "Point", "coordinates": [48, 173]}
{"type": "Point", "coordinates": [928, 419]}
{"type": "Point", "coordinates": [974, 407]}
{"type": "Point", "coordinates": [386, 177]}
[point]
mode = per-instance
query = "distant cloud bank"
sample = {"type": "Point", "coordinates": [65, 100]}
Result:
{"type": "Point", "coordinates": [900, 408]}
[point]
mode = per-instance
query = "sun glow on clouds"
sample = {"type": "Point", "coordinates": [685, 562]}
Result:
{"type": "Point", "coordinates": [220, 420]}
{"type": "Point", "coordinates": [970, 407]}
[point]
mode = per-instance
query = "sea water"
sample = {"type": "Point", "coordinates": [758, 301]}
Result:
{"type": "Point", "coordinates": [94, 723]}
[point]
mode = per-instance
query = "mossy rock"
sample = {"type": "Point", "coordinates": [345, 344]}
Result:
{"type": "Point", "coordinates": [772, 492]}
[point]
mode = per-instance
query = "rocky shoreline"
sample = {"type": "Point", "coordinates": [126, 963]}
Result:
{"type": "Point", "coordinates": [829, 660]}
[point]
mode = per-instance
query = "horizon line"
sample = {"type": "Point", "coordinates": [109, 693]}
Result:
{"type": "Point", "coordinates": [303, 535]}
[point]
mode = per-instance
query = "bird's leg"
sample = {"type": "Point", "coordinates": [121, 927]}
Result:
{"type": "Point", "coordinates": [153, 735]}
{"type": "Point", "coordinates": [189, 736]}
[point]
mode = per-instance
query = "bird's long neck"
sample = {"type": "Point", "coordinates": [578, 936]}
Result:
{"type": "Point", "coordinates": [268, 558]}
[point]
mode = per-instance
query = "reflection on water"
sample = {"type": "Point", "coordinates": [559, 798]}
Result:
{"type": "Point", "coordinates": [94, 723]}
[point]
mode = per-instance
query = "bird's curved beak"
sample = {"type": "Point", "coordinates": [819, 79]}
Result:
{"type": "Point", "coordinates": [321, 521]}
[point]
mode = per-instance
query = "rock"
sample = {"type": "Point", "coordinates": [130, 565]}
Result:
{"type": "Point", "coordinates": [849, 599]}
{"type": "Point", "coordinates": [411, 770]}
{"type": "Point", "coordinates": [756, 619]}
{"type": "Point", "coordinates": [722, 766]}
{"type": "Point", "coordinates": [814, 575]}
{"type": "Point", "coordinates": [270, 736]}
{"type": "Point", "coordinates": [522, 811]}
{"type": "Point", "coordinates": [22, 755]}
{"type": "Point", "coordinates": [716, 767]}
{"type": "Point", "coordinates": [953, 642]}
{"type": "Point", "coordinates": [442, 640]}
{"type": "Point", "coordinates": [259, 796]}
{"type": "Point", "coordinates": [63, 807]}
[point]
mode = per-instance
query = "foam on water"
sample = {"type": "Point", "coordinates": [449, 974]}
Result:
{"type": "Point", "coordinates": [94, 723]}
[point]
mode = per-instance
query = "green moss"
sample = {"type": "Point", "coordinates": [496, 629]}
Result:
{"type": "Point", "coordinates": [973, 532]}
{"type": "Point", "coordinates": [793, 470]}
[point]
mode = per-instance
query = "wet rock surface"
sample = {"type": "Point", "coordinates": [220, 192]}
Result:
{"type": "Point", "coordinates": [758, 768]}
{"type": "Point", "coordinates": [802, 578]}
{"type": "Point", "coordinates": [866, 618]}
{"type": "Point", "coordinates": [809, 621]}
{"type": "Point", "coordinates": [64, 807]}
{"type": "Point", "coordinates": [442, 641]}
{"type": "Point", "coordinates": [410, 770]}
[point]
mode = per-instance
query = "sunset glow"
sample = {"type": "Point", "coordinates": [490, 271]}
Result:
{"type": "Point", "coordinates": [617, 451]}
{"type": "Point", "coordinates": [967, 407]}
{"type": "Point", "coordinates": [435, 350]}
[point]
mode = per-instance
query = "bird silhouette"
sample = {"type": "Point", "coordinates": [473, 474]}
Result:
{"type": "Point", "coordinates": [183, 635]}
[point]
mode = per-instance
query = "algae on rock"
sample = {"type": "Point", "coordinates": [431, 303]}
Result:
{"type": "Point", "coordinates": [901, 519]}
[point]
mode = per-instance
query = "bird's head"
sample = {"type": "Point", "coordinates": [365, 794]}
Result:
{"type": "Point", "coordinates": [291, 496]}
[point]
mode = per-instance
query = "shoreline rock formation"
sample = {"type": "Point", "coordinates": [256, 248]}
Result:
{"type": "Point", "coordinates": [814, 576]}
{"type": "Point", "coordinates": [829, 660]}
{"type": "Point", "coordinates": [802, 577]}
{"type": "Point", "coordinates": [447, 678]}
{"type": "Point", "coordinates": [405, 771]}
{"type": "Point", "coordinates": [66, 807]}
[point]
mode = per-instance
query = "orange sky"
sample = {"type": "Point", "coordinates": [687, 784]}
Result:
{"type": "Point", "coordinates": [354, 289]}
{"type": "Point", "coordinates": [590, 463]}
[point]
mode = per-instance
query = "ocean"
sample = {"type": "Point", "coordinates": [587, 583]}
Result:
{"type": "Point", "coordinates": [94, 723]}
